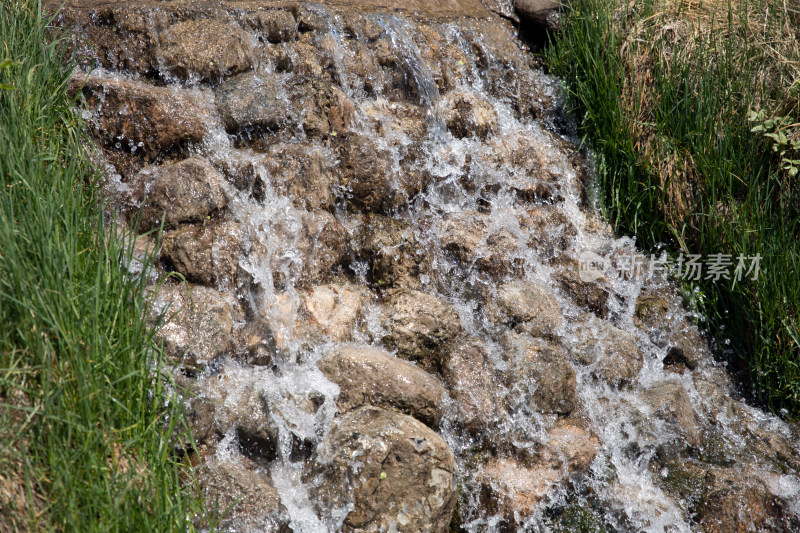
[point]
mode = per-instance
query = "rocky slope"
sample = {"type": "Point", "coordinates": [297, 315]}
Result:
{"type": "Point", "coordinates": [380, 217]}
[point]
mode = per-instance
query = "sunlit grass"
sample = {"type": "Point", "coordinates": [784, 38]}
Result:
{"type": "Point", "coordinates": [661, 91]}
{"type": "Point", "coordinates": [86, 431]}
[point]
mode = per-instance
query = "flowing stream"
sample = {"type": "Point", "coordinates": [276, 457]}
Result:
{"type": "Point", "coordinates": [481, 174]}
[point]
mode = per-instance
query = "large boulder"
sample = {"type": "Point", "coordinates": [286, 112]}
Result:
{"type": "Point", "coordinates": [208, 49]}
{"type": "Point", "coordinates": [398, 473]}
{"type": "Point", "coordinates": [138, 116]}
{"type": "Point", "coordinates": [370, 376]}
{"type": "Point", "coordinates": [420, 326]}
{"type": "Point", "coordinates": [185, 192]}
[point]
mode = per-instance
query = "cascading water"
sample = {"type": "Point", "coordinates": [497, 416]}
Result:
{"type": "Point", "coordinates": [366, 153]}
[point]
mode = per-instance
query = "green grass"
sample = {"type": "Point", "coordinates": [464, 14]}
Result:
{"type": "Point", "coordinates": [661, 92]}
{"type": "Point", "coordinates": [86, 433]}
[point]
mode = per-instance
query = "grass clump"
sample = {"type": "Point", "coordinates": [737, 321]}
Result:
{"type": "Point", "coordinates": [85, 429]}
{"type": "Point", "coordinates": [688, 106]}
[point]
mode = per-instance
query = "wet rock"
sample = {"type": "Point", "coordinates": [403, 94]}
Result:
{"type": "Point", "coordinates": [725, 499]}
{"type": "Point", "coordinates": [570, 447]}
{"type": "Point", "coordinates": [395, 470]}
{"type": "Point", "coordinates": [686, 346]}
{"type": "Point", "coordinates": [300, 171]}
{"type": "Point", "coordinates": [184, 192]}
{"type": "Point", "coordinates": [466, 114]}
{"type": "Point", "coordinates": [514, 491]}
{"type": "Point", "coordinates": [136, 116]}
{"type": "Point", "coordinates": [249, 415]}
{"type": "Point", "coordinates": [324, 243]}
{"type": "Point", "coordinates": [420, 326]}
{"type": "Point", "coordinates": [551, 232]}
{"type": "Point", "coordinates": [591, 294]}
{"type": "Point", "coordinates": [541, 14]}
{"type": "Point", "coordinates": [245, 492]}
{"type": "Point", "coordinates": [535, 167]}
{"type": "Point", "coordinates": [276, 25]}
{"type": "Point", "coordinates": [200, 415]}
{"type": "Point", "coordinates": [253, 102]}
{"type": "Point", "coordinates": [368, 179]}
{"type": "Point", "coordinates": [390, 248]}
{"type": "Point", "coordinates": [209, 49]}
{"type": "Point", "coordinates": [207, 254]}
{"type": "Point", "coordinates": [527, 307]}
{"type": "Point", "coordinates": [370, 376]}
{"type": "Point", "coordinates": [651, 309]}
{"type": "Point", "coordinates": [504, 8]}
{"type": "Point", "coordinates": [469, 375]}
{"type": "Point", "coordinates": [670, 403]}
{"type": "Point", "coordinates": [201, 322]}
{"type": "Point", "coordinates": [474, 242]}
{"type": "Point", "coordinates": [614, 352]}
{"type": "Point", "coordinates": [541, 372]}
{"type": "Point", "coordinates": [331, 312]}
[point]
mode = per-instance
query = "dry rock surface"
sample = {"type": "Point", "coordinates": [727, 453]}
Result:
{"type": "Point", "coordinates": [369, 282]}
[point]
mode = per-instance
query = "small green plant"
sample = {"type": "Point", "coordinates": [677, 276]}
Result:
{"type": "Point", "coordinates": [6, 63]}
{"type": "Point", "coordinates": [785, 135]}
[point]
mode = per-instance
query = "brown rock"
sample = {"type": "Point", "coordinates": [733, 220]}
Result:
{"type": "Point", "coordinates": [539, 13]}
{"type": "Point", "coordinates": [252, 101]}
{"type": "Point", "coordinates": [245, 492]}
{"type": "Point", "coordinates": [469, 375]}
{"type": "Point", "coordinates": [370, 376]}
{"type": "Point", "coordinates": [188, 191]}
{"type": "Point", "coordinates": [137, 116]}
{"type": "Point", "coordinates": [725, 499]}
{"type": "Point", "coordinates": [572, 446]}
{"type": "Point", "coordinates": [331, 312]}
{"type": "Point", "coordinates": [515, 491]}
{"type": "Point", "coordinates": [542, 373]}
{"type": "Point", "coordinates": [395, 470]}
{"type": "Point", "coordinates": [209, 49]}
{"type": "Point", "coordinates": [527, 307]}
{"type": "Point", "coordinates": [390, 247]}
{"type": "Point", "coordinates": [207, 254]}
{"type": "Point", "coordinates": [420, 325]}
{"type": "Point", "coordinates": [614, 352]}
{"type": "Point", "coordinates": [276, 25]}
{"type": "Point", "coordinates": [670, 403]}
{"type": "Point", "coordinates": [200, 322]}
{"type": "Point", "coordinates": [469, 236]}
{"type": "Point", "coordinates": [550, 230]}
{"type": "Point", "coordinates": [367, 177]}
{"type": "Point", "coordinates": [466, 114]}
{"type": "Point", "coordinates": [592, 295]}
{"type": "Point", "coordinates": [300, 171]}
{"type": "Point", "coordinates": [324, 243]}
